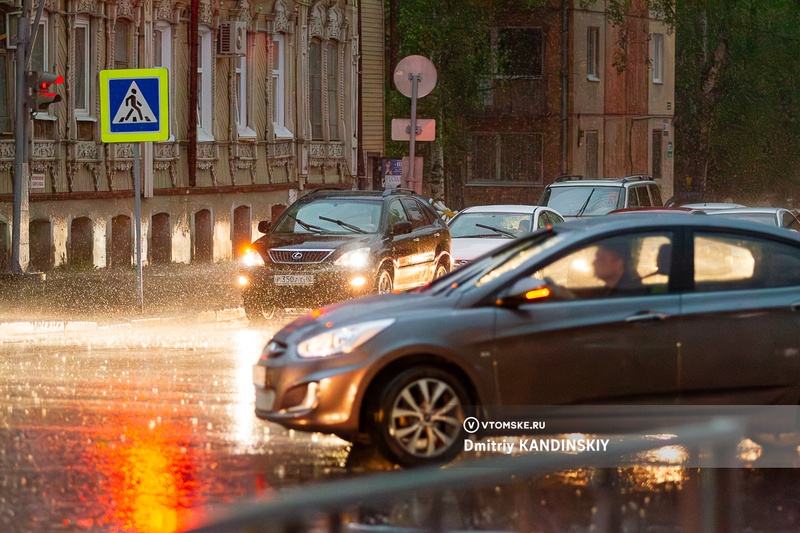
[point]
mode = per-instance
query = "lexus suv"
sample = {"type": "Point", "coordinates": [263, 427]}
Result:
{"type": "Point", "coordinates": [331, 245]}
{"type": "Point", "coordinates": [574, 196]}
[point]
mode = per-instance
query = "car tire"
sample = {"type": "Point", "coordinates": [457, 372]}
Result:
{"type": "Point", "coordinates": [408, 431]}
{"type": "Point", "coordinates": [384, 284]}
{"type": "Point", "coordinates": [441, 270]}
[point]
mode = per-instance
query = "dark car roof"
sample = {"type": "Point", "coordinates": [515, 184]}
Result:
{"type": "Point", "coordinates": [611, 223]}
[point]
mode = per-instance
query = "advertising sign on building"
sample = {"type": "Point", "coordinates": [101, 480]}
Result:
{"type": "Point", "coordinates": [392, 170]}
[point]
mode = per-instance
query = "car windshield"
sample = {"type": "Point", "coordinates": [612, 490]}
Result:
{"type": "Point", "coordinates": [764, 218]}
{"type": "Point", "coordinates": [581, 201]}
{"type": "Point", "coordinates": [332, 215]}
{"type": "Point", "coordinates": [475, 225]}
{"type": "Point", "coordinates": [492, 266]}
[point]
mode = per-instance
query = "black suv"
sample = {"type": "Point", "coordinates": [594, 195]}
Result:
{"type": "Point", "coordinates": [331, 245]}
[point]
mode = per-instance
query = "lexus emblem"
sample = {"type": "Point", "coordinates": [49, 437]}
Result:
{"type": "Point", "coordinates": [297, 256]}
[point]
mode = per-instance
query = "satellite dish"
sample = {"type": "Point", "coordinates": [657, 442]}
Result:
{"type": "Point", "coordinates": [415, 65]}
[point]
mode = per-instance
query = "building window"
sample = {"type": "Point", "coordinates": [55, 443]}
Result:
{"type": "Point", "coordinates": [162, 57]}
{"type": "Point", "coordinates": [519, 52]}
{"type": "Point", "coordinates": [591, 140]}
{"type": "Point", "coordinates": [593, 53]}
{"type": "Point", "coordinates": [333, 91]}
{"type": "Point", "coordinates": [205, 132]}
{"type": "Point", "coordinates": [5, 93]}
{"type": "Point", "coordinates": [658, 58]}
{"type": "Point", "coordinates": [315, 80]}
{"type": "Point", "coordinates": [82, 66]}
{"type": "Point", "coordinates": [507, 157]}
{"type": "Point", "coordinates": [240, 86]}
{"type": "Point", "coordinates": [278, 88]}
{"type": "Point", "coordinates": [122, 57]}
{"type": "Point", "coordinates": [40, 61]}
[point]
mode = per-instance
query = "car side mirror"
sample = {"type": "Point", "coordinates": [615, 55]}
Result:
{"type": "Point", "coordinates": [523, 291]}
{"type": "Point", "coordinates": [403, 227]}
{"type": "Point", "coordinates": [264, 225]}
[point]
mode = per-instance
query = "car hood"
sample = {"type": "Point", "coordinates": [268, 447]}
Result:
{"type": "Point", "coordinates": [317, 242]}
{"type": "Point", "coordinates": [374, 307]}
{"type": "Point", "coordinates": [467, 249]}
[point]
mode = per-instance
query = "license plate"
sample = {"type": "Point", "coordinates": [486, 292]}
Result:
{"type": "Point", "coordinates": [259, 376]}
{"type": "Point", "coordinates": [294, 279]}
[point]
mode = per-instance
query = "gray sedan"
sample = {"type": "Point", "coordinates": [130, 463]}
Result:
{"type": "Point", "coordinates": [618, 310]}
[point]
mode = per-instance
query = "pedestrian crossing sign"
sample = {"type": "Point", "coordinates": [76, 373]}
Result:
{"type": "Point", "coordinates": [134, 105]}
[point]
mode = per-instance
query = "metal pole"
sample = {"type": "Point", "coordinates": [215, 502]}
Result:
{"type": "Point", "coordinates": [136, 188]}
{"type": "Point", "coordinates": [415, 78]}
{"type": "Point", "coordinates": [20, 141]}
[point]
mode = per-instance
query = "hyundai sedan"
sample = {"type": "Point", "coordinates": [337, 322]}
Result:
{"type": "Point", "coordinates": [617, 310]}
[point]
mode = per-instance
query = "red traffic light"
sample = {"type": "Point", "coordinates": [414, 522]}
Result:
{"type": "Point", "coordinates": [41, 93]}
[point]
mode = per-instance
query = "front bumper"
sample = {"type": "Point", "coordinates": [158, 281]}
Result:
{"type": "Point", "coordinates": [314, 395]}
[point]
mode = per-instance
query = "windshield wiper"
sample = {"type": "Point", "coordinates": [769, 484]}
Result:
{"type": "Point", "coordinates": [342, 224]}
{"type": "Point", "coordinates": [306, 226]}
{"type": "Point", "coordinates": [586, 203]}
{"type": "Point", "coordinates": [497, 230]}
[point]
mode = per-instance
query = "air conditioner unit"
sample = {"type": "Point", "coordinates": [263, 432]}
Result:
{"type": "Point", "coordinates": [232, 38]}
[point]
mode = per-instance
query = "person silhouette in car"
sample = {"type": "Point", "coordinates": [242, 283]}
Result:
{"type": "Point", "coordinates": [613, 266]}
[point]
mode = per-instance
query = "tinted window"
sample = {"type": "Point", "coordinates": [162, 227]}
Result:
{"type": "Point", "coordinates": [633, 198]}
{"type": "Point", "coordinates": [396, 213]}
{"type": "Point", "coordinates": [723, 262]}
{"type": "Point", "coordinates": [543, 221]}
{"type": "Point", "coordinates": [627, 265]}
{"type": "Point", "coordinates": [656, 194]}
{"type": "Point", "coordinates": [644, 198]}
{"type": "Point", "coordinates": [415, 213]}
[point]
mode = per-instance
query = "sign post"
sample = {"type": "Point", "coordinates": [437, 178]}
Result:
{"type": "Point", "coordinates": [414, 77]}
{"type": "Point", "coordinates": [134, 108]}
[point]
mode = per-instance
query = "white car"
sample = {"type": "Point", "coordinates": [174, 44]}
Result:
{"type": "Point", "coordinates": [479, 229]}
{"type": "Point", "coordinates": [774, 216]}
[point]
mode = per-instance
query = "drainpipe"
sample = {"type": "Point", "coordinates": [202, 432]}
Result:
{"type": "Point", "coordinates": [194, 22]}
{"type": "Point", "coordinates": [359, 126]}
{"type": "Point", "coordinates": [564, 84]}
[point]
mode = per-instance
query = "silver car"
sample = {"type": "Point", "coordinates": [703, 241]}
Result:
{"type": "Point", "coordinates": [774, 216]}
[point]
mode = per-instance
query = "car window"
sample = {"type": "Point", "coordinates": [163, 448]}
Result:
{"type": "Point", "coordinates": [644, 197]}
{"type": "Point", "coordinates": [723, 262]}
{"type": "Point", "coordinates": [320, 216]}
{"type": "Point", "coordinates": [794, 223]}
{"type": "Point", "coordinates": [396, 212]}
{"type": "Point", "coordinates": [415, 213]}
{"type": "Point", "coordinates": [428, 213]}
{"type": "Point", "coordinates": [554, 218]}
{"type": "Point", "coordinates": [633, 198]}
{"type": "Point", "coordinates": [655, 194]}
{"type": "Point", "coordinates": [627, 265]}
{"type": "Point", "coordinates": [543, 220]}
{"type": "Point", "coordinates": [475, 224]}
{"type": "Point", "coordinates": [579, 201]}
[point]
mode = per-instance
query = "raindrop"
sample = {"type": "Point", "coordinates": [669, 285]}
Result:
{"type": "Point", "coordinates": [210, 426]}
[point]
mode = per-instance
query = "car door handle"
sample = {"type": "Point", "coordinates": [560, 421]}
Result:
{"type": "Point", "coordinates": [416, 239]}
{"type": "Point", "coordinates": [643, 316]}
{"type": "Point", "coordinates": [436, 234]}
{"type": "Point", "coordinates": [795, 306]}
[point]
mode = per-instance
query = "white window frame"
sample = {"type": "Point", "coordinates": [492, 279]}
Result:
{"type": "Point", "coordinates": [278, 73]}
{"type": "Point", "coordinates": [243, 131]}
{"type": "Point", "coordinates": [205, 131]}
{"type": "Point", "coordinates": [164, 29]}
{"type": "Point", "coordinates": [84, 56]}
{"type": "Point", "coordinates": [593, 53]}
{"type": "Point", "coordinates": [658, 58]}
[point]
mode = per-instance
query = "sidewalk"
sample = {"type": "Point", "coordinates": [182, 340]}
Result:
{"type": "Point", "coordinates": [205, 292]}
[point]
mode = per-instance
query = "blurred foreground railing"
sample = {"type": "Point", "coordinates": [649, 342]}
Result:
{"type": "Point", "coordinates": [709, 505]}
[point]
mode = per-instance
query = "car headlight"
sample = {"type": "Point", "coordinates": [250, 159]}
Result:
{"type": "Point", "coordinates": [342, 340]}
{"type": "Point", "coordinates": [357, 258]}
{"type": "Point", "coordinates": [252, 258]}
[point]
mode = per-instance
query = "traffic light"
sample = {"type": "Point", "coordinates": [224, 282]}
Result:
{"type": "Point", "coordinates": [40, 86]}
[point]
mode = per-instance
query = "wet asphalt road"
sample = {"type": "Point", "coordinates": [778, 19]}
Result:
{"type": "Point", "coordinates": [140, 428]}
{"type": "Point", "coordinates": [150, 427]}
